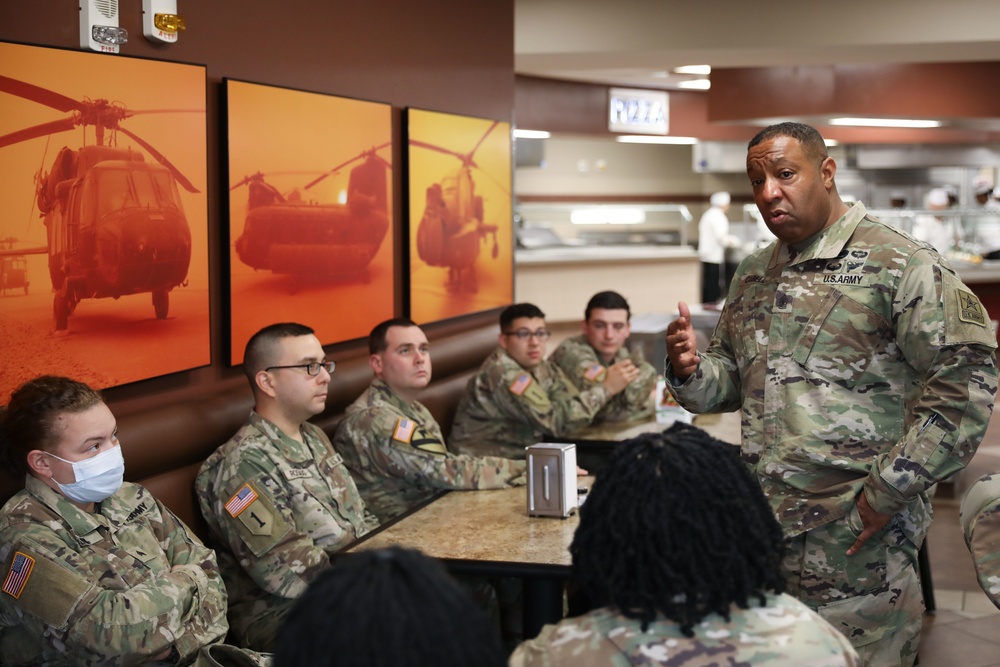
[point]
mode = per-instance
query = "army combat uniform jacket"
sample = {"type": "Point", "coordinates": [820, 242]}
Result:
{"type": "Point", "coordinates": [398, 457]}
{"type": "Point", "coordinates": [506, 408]}
{"type": "Point", "coordinates": [581, 364]}
{"type": "Point", "coordinates": [783, 631]}
{"type": "Point", "coordinates": [862, 363]}
{"type": "Point", "coordinates": [113, 587]}
{"type": "Point", "coordinates": [276, 509]}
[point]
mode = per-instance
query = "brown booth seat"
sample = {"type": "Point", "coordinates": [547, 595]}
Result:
{"type": "Point", "coordinates": [164, 446]}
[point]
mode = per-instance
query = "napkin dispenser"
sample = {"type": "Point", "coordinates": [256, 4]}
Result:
{"type": "Point", "coordinates": [551, 479]}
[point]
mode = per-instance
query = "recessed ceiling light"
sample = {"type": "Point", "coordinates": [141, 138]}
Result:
{"type": "Point", "coordinates": [831, 142]}
{"type": "Point", "coordinates": [885, 122]}
{"type": "Point", "coordinates": [695, 84]}
{"type": "Point", "coordinates": [693, 69]}
{"type": "Point", "coordinates": [531, 134]}
{"type": "Point", "coordinates": [653, 139]}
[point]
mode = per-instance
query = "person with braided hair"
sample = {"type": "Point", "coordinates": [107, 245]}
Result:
{"type": "Point", "coordinates": [679, 558]}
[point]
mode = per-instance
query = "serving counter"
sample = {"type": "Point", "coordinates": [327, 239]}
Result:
{"type": "Point", "coordinates": [560, 280]}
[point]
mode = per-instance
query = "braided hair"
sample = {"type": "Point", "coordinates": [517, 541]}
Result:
{"type": "Point", "coordinates": [676, 525]}
{"type": "Point", "coordinates": [385, 608]}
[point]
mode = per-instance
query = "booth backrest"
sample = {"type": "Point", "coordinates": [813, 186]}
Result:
{"type": "Point", "coordinates": [164, 446]}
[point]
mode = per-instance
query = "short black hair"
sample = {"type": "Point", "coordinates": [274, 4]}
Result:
{"type": "Point", "coordinates": [676, 525]}
{"type": "Point", "coordinates": [608, 301]}
{"type": "Point", "coordinates": [377, 338]}
{"type": "Point", "coordinates": [511, 313]}
{"type": "Point", "coordinates": [28, 421]}
{"type": "Point", "coordinates": [259, 352]}
{"type": "Point", "coordinates": [384, 608]}
{"type": "Point", "coordinates": [807, 135]}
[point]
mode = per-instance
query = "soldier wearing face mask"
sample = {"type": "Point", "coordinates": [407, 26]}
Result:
{"type": "Point", "coordinates": [95, 571]}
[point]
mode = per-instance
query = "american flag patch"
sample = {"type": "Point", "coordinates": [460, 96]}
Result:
{"type": "Point", "coordinates": [593, 372]}
{"type": "Point", "coordinates": [241, 500]}
{"type": "Point", "coordinates": [518, 386]}
{"type": "Point", "coordinates": [18, 575]}
{"type": "Point", "coordinates": [404, 430]}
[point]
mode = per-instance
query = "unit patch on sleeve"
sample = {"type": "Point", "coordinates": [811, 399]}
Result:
{"type": "Point", "coordinates": [241, 500]}
{"type": "Point", "coordinates": [17, 576]}
{"type": "Point", "coordinates": [404, 430]}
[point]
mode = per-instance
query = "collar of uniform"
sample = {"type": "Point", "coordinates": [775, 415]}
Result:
{"type": "Point", "coordinates": [291, 450]}
{"type": "Point", "coordinates": [379, 390]}
{"type": "Point", "coordinates": [828, 243]}
{"type": "Point", "coordinates": [82, 524]}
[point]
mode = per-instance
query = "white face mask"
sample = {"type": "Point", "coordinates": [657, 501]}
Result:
{"type": "Point", "coordinates": [97, 478]}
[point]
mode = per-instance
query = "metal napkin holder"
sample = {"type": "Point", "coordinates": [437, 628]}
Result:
{"type": "Point", "coordinates": [551, 479]}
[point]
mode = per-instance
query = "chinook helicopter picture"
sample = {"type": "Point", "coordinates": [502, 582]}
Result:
{"type": "Point", "coordinates": [114, 221]}
{"type": "Point", "coordinates": [310, 209]}
{"type": "Point", "coordinates": [287, 234]}
{"type": "Point", "coordinates": [103, 166]}
{"type": "Point", "coordinates": [460, 175]}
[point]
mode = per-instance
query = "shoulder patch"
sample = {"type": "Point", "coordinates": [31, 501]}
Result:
{"type": "Point", "coordinates": [241, 500]}
{"type": "Point", "coordinates": [404, 430]}
{"type": "Point", "coordinates": [966, 321]}
{"type": "Point", "coordinates": [18, 574]}
{"type": "Point", "coordinates": [969, 308]}
{"type": "Point", "coordinates": [518, 386]}
{"type": "Point", "coordinates": [594, 372]}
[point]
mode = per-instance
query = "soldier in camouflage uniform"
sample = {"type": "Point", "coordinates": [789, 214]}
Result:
{"type": "Point", "coordinates": [96, 571]}
{"type": "Point", "coordinates": [678, 559]}
{"type": "Point", "coordinates": [277, 498]}
{"type": "Point", "coordinates": [865, 373]}
{"type": "Point", "coordinates": [391, 442]}
{"type": "Point", "coordinates": [980, 518]}
{"type": "Point", "coordinates": [519, 398]}
{"type": "Point", "coordinates": [585, 359]}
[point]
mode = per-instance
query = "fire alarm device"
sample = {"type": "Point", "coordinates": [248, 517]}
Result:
{"type": "Point", "coordinates": [160, 22]}
{"type": "Point", "coordinates": [99, 29]}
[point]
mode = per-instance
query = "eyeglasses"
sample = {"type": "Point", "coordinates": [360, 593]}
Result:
{"type": "Point", "coordinates": [524, 334]}
{"type": "Point", "coordinates": [312, 369]}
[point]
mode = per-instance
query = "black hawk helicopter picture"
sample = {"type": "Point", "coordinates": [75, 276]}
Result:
{"type": "Point", "coordinates": [113, 217]}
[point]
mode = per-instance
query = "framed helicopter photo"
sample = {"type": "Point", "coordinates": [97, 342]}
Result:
{"type": "Point", "coordinates": [104, 237]}
{"type": "Point", "coordinates": [310, 212]}
{"type": "Point", "coordinates": [461, 258]}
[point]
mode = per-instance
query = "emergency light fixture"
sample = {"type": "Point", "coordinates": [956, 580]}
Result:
{"type": "Point", "coordinates": [160, 22]}
{"type": "Point", "coordinates": [99, 29]}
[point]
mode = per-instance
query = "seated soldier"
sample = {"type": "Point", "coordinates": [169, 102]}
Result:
{"type": "Point", "coordinates": [519, 398]}
{"type": "Point", "coordinates": [392, 444]}
{"type": "Point", "coordinates": [96, 571]}
{"type": "Point", "coordinates": [678, 558]}
{"type": "Point", "coordinates": [585, 359]}
{"type": "Point", "coordinates": [277, 498]}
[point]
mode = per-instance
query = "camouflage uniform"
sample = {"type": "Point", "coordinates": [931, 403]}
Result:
{"type": "Point", "coordinates": [865, 364]}
{"type": "Point", "coordinates": [112, 587]}
{"type": "Point", "coordinates": [506, 408]}
{"type": "Point", "coordinates": [782, 632]}
{"type": "Point", "coordinates": [980, 518]}
{"type": "Point", "coordinates": [276, 508]}
{"type": "Point", "coordinates": [398, 458]}
{"type": "Point", "coordinates": [584, 368]}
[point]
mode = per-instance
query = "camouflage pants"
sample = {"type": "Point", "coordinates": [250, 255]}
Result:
{"type": "Point", "coordinates": [872, 597]}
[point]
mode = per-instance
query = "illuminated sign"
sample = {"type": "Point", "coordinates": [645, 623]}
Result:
{"type": "Point", "coordinates": [638, 111]}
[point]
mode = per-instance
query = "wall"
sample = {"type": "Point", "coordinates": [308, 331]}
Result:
{"type": "Point", "coordinates": [450, 55]}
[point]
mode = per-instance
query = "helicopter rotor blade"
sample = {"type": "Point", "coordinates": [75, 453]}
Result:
{"type": "Point", "coordinates": [181, 178]}
{"type": "Point", "coordinates": [52, 127]}
{"type": "Point", "coordinates": [432, 147]}
{"type": "Point", "coordinates": [503, 189]}
{"type": "Point", "coordinates": [353, 159]}
{"type": "Point", "coordinates": [38, 94]}
{"type": "Point", "coordinates": [480, 143]}
{"type": "Point", "coordinates": [42, 250]}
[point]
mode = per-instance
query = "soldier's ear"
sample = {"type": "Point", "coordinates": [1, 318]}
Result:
{"type": "Point", "coordinates": [375, 361]}
{"type": "Point", "coordinates": [38, 463]}
{"type": "Point", "coordinates": [265, 383]}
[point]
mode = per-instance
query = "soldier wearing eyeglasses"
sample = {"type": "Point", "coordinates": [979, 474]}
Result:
{"type": "Point", "coordinates": [519, 398]}
{"type": "Point", "coordinates": [586, 359]}
{"type": "Point", "coordinates": [277, 498]}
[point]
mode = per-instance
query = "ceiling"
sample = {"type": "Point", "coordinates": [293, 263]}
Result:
{"type": "Point", "coordinates": [638, 42]}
